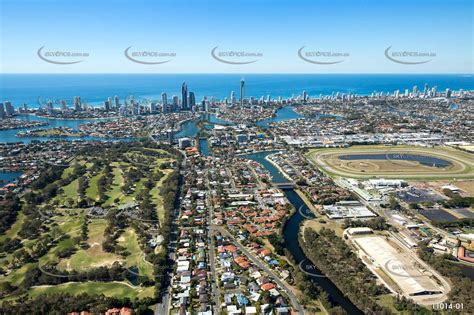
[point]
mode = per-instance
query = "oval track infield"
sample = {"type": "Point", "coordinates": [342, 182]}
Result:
{"type": "Point", "coordinates": [394, 162]}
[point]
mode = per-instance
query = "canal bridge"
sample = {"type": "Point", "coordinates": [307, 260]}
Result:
{"type": "Point", "coordinates": [287, 185]}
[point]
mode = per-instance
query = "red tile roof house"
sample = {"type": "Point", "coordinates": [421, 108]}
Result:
{"type": "Point", "coordinates": [267, 286]}
{"type": "Point", "coordinates": [119, 311]}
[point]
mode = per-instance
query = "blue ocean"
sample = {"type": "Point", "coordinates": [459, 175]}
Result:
{"type": "Point", "coordinates": [95, 88]}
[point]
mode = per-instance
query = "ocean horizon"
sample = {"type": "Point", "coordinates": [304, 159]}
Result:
{"type": "Point", "coordinates": [95, 88]}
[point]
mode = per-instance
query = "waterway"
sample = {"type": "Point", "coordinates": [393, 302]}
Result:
{"type": "Point", "coordinates": [8, 136]}
{"type": "Point", "coordinates": [468, 271]}
{"type": "Point", "coordinates": [284, 113]}
{"type": "Point", "coordinates": [8, 177]}
{"type": "Point", "coordinates": [188, 129]}
{"type": "Point", "coordinates": [204, 146]}
{"type": "Point", "coordinates": [291, 233]}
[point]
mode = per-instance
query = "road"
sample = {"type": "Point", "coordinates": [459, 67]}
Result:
{"type": "Point", "coordinates": [261, 265]}
{"type": "Point", "coordinates": [163, 307]}
{"type": "Point", "coordinates": [212, 250]}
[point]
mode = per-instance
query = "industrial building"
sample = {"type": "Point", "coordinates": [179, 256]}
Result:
{"type": "Point", "coordinates": [347, 209]}
{"type": "Point", "coordinates": [402, 268]}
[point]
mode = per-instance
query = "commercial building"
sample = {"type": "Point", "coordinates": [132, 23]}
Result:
{"type": "Point", "coordinates": [184, 96]}
{"type": "Point", "coordinates": [347, 209]}
{"type": "Point", "coordinates": [3, 114]}
{"type": "Point", "coordinates": [9, 109]}
{"type": "Point", "coordinates": [242, 92]}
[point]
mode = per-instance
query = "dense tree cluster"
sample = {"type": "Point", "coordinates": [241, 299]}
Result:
{"type": "Point", "coordinates": [9, 208]}
{"type": "Point", "coordinates": [462, 288]}
{"type": "Point", "coordinates": [459, 223]}
{"type": "Point", "coordinates": [64, 303]}
{"type": "Point", "coordinates": [378, 224]}
{"type": "Point", "coordinates": [277, 243]}
{"type": "Point", "coordinates": [344, 268]}
{"type": "Point", "coordinates": [52, 275]}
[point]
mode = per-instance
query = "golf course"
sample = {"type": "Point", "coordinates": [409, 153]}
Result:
{"type": "Point", "coordinates": [86, 227]}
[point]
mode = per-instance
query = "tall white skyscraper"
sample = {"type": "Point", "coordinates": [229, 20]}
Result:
{"type": "Point", "coordinates": [242, 92]}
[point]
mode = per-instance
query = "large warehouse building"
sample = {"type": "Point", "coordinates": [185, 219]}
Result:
{"type": "Point", "coordinates": [399, 266]}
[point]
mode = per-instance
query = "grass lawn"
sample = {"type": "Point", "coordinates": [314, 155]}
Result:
{"type": "Point", "coordinates": [16, 277]}
{"type": "Point", "coordinates": [381, 273]}
{"type": "Point", "coordinates": [156, 197]}
{"type": "Point", "coordinates": [110, 289]}
{"type": "Point", "coordinates": [69, 191]}
{"type": "Point", "coordinates": [15, 228]}
{"type": "Point", "coordinates": [388, 301]}
{"type": "Point", "coordinates": [129, 240]}
{"type": "Point", "coordinates": [118, 181]}
{"type": "Point", "coordinates": [306, 200]}
{"type": "Point", "coordinates": [94, 256]}
{"type": "Point", "coordinates": [137, 188]}
{"type": "Point", "coordinates": [317, 226]}
{"type": "Point", "coordinates": [92, 191]}
{"type": "Point", "coordinates": [67, 172]}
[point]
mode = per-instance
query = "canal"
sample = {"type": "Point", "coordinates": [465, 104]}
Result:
{"type": "Point", "coordinates": [204, 146]}
{"type": "Point", "coordinates": [8, 177]}
{"type": "Point", "coordinates": [290, 235]}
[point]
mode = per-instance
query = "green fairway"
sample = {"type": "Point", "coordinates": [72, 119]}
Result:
{"type": "Point", "coordinates": [111, 289]}
{"type": "Point", "coordinates": [94, 256]}
{"type": "Point", "coordinates": [156, 197]}
{"type": "Point", "coordinates": [13, 231]}
{"type": "Point", "coordinates": [91, 191]}
{"type": "Point", "coordinates": [115, 191]}
{"type": "Point", "coordinates": [18, 275]}
{"type": "Point", "coordinates": [69, 192]}
{"type": "Point", "coordinates": [129, 240]}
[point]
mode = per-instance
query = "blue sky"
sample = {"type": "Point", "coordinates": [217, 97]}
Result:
{"type": "Point", "coordinates": [276, 29]}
